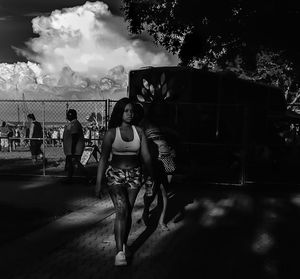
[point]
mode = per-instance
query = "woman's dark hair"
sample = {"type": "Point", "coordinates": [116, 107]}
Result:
{"type": "Point", "coordinates": [117, 113]}
{"type": "Point", "coordinates": [31, 116]}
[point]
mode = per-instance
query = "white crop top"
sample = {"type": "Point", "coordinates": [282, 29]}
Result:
{"type": "Point", "coordinates": [121, 147]}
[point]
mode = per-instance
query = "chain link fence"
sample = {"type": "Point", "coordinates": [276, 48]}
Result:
{"type": "Point", "coordinates": [15, 156]}
{"type": "Point", "coordinates": [221, 141]}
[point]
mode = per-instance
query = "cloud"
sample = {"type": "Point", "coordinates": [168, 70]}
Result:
{"type": "Point", "coordinates": [30, 80]}
{"type": "Point", "coordinates": [84, 52]}
{"type": "Point", "coordinates": [89, 40]}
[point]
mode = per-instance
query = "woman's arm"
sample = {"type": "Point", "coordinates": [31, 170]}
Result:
{"type": "Point", "coordinates": [106, 149]}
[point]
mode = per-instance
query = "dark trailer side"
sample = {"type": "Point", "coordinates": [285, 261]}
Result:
{"type": "Point", "coordinates": [226, 127]}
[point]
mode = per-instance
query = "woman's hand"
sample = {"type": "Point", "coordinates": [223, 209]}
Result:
{"type": "Point", "coordinates": [98, 192]}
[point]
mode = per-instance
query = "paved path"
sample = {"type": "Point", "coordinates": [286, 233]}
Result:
{"type": "Point", "coordinates": [224, 234]}
{"type": "Point", "coordinates": [81, 245]}
{"type": "Point", "coordinates": [27, 203]}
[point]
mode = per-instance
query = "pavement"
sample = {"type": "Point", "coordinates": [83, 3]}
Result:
{"type": "Point", "coordinates": [213, 232]}
{"type": "Point", "coordinates": [44, 216]}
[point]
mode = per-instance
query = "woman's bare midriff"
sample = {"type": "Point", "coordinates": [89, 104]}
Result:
{"type": "Point", "coordinates": [125, 161]}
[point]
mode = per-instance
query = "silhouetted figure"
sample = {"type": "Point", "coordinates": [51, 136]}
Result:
{"type": "Point", "coordinates": [35, 138]}
{"type": "Point", "coordinates": [73, 144]}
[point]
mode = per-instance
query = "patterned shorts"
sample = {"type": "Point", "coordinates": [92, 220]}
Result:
{"type": "Point", "coordinates": [129, 177]}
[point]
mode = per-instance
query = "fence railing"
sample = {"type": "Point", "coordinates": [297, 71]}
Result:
{"type": "Point", "coordinates": [220, 140]}
{"type": "Point", "coordinates": [14, 148]}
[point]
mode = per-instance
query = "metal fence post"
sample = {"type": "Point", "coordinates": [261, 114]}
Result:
{"type": "Point", "coordinates": [44, 157]}
{"type": "Point", "coordinates": [107, 112]}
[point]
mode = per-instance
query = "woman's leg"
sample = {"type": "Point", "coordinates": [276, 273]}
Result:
{"type": "Point", "coordinates": [120, 200]}
{"type": "Point", "coordinates": [164, 197]}
{"type": "Point", "coordinates": [132, 194]}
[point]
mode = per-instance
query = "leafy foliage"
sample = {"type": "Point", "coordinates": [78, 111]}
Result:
{"type": "Point", "coordinates": [197, 28]}
{"type": "Point", "coordinates": [270, 68]}
{"type": "Point", "coordinates": [255, 39]}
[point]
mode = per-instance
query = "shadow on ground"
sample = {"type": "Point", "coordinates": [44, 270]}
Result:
{"type": "Point", "coordinates": [28, 203]}
{"type": "Point", "coordinates": [17, 222]}
{"type": "Point", "coordinates": [232, 233]}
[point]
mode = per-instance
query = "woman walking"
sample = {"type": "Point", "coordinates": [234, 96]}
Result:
{"type": "Point", "coordinates": [164, 162]}
{"type": "Point", "coordinates": [126, 143]}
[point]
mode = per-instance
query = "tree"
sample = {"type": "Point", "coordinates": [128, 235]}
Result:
{"type": "Point", "coordinates": [217, 33]}
{"type": "Point", "coordinates": [270, 68]}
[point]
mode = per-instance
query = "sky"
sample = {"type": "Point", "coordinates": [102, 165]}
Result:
{"type": "Point", "coordinates": [68, 30]}
{"type": "Point", "coordinates": [16, 26]}
{"type": "Point", "coordinates": [44, 42]}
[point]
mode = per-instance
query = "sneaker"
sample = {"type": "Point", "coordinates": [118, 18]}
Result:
{"type": "Point", "coordinates": [120, 259]}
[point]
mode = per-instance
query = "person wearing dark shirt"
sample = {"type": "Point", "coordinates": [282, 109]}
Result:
{"type": "Point", "coordinates": [73, 145]}
{"type": "Point", "coordinates": [35, 138]}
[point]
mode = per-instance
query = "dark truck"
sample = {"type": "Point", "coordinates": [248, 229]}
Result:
{"type": "Point", "coordinates": [227, 130]}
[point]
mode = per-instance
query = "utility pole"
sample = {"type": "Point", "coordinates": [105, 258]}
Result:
{"type": "Point", "coordinates": [102, 109]}
{"type": "Point", "coordinates": [25, 109]}
{"type": "Point", "coordinates": [18, 110]}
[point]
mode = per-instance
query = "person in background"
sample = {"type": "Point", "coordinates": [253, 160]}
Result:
{"type": "Point", "coordinates": [73, 145]}
{"type": "Point", "coordinates": [5, 133]}
{"type": "Point", "coordinates": [55, 136]}
{"type": "Point", "coordinates": [164, 161]}
{"type": "Point", "coordinates": [17, 136]}
{"type": "Point", "coordinates": [35, 138]}
{"type": "Point", "coordinates": [23, 136]}
{"type": "Point", "coordinates": [127, 144]}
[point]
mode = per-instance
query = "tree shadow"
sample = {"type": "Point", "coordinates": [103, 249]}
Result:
{"type": "Point", "coordinates": [151, 227]}
{"type": "Point", "coordinates": [177, 200]}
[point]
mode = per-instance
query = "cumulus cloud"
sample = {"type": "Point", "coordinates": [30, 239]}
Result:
{"type": "Point", "coordinates": [83, 52]}
{"type": "Point", "coordinates": [89, 40]}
